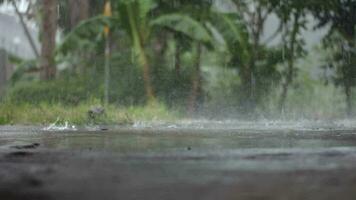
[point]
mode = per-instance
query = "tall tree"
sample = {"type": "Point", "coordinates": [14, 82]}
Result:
{"type": "Point", "coordinates": [188, 26]}
{"type": "Point", "coordinates": [138, 19]}
{"type": "Point", "coordinates": [135, 18]}
{"type": "Point", "coordinates": [340, 16]}
{"type": "Point", "coordinates": [79, 11]}
{"type": "Point", "coordinates": [201, 15]}
{"type": "Point", "coordinates": [196, 88]}
{"type": "Point", "coordinates": [48, 39]}
{"type": "Point", "coordinates": [292, 17]}
{"type": "Point", "coordinates": [242, 31]}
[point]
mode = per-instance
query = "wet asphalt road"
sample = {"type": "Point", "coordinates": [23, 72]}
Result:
{"type": "Point", "coordinates": [172, 162]}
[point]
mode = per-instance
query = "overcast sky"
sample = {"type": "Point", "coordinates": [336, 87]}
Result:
{"type": "Point", "coordinates": [8, 8]}
{"type": "Point", "coordinates": [312, 37]}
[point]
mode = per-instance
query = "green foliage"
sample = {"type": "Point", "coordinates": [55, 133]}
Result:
{"type": "Point", "coordinates": [155, 112]}
{"type": "Point", "coordinates": [134, 19]}
{"type": "Point", "coordinates": [308, 99]}
{"type": "Point", "coordinates": [126, 85]}
{"type": "Point", "coordinates": [85, 36]}
{"type": "Point", "coordinates": [171, 89]}
{"type": "Point", "coordinates": [153, 42]}
{"type": "Point", "coordinates": [22, 71]}
{"type": "Point", "coordinates": [96, 7]}
{"type": "Point", "coordinates": [126, 82]}
{"type": "Point", "coordinates": [64, 91]}
{"type": "Point", "coordinates": [235, 35]}
{"type": "Point", "coordinates": [184, 24]}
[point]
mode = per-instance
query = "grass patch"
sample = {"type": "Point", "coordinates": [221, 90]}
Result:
{"type": "Point", "coordinates": [44, 113]}
{"type": "Point", "coordinates": [153, 112]}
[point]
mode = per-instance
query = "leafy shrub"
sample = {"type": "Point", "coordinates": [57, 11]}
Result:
{"type": "Point", "coordinates": [64, 91]}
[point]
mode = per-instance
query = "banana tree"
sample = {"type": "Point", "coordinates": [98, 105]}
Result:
{"type": "Point", "coordinates": [188, 22]}
{"type": "Point", "coordinates": [236, 43]}
{"type": "Point", "coordinates": [134, 18]}
{"type": "Point", "coordinates": [137, 21]}
{"type": "Point", "coordinates": [198, 34]}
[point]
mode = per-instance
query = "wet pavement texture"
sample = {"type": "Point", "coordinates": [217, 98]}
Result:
{"type": "Point", "coordinates": [205, 161]}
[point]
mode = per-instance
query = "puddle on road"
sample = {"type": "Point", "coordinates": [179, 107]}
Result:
{"type": "Point", "coordinates": [188, 136]}
{"type": "Point", "coordinates": [216, 148]}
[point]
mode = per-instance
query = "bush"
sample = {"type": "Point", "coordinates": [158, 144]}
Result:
{"type": "Point", "coordinates": [64, 91]}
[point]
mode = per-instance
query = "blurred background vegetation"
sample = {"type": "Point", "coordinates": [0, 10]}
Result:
{"type": "Point", "coordinates": [159, 59]}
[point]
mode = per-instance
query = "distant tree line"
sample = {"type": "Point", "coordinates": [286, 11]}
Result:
{"type": "Point", "coordinates": [161, 44]}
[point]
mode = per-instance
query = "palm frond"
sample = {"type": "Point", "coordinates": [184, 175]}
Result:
{"type": "Point", "coordinates": [184, 24]}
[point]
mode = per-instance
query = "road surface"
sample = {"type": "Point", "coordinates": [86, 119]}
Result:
{"type": "Point", "coordinates": [191, 162]}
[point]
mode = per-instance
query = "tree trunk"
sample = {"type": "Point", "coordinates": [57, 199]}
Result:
{"type": "Point", "coordinates": [147, 77]}
{"type": "Point", "coordinates": [3, 70]}
{"type": "Point", "coordinates": [349, 106]}
{"type": "Point", "coordinates": [285, 86]}
{"type": "Point", "coordinates": [79, 11]}
{"type": "Point", "coordinates": [177, 56]}
{"type": "Point", "coordinates": [107, 71]}
{"type": "Point", "coordinates": [250, 98]}
{"type": "Point", "coordinates": [347, 83]}
{"type": "Point", "coordinates": [196, 82]}
{"type": "Point", "coordinates": [49, 29]}
{"type": "Point", "coordinates": [141, 54]}
{"type": "Point", "coordinates": [291, 58]}
{"type": "Point", "coordinates": [247, 96]}
{"type": "Point", "coordinates": [348, 71]}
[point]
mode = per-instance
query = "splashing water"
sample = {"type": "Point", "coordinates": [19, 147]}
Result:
{"type": "Point", "coordinates": [57, 126]}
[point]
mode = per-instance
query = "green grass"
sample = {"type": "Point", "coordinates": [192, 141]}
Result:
{"type": "Point", "coordinates": [44, 113]}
